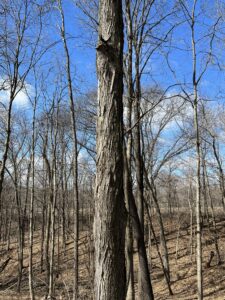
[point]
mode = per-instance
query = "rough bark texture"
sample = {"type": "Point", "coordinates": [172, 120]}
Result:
{"type": "Point", "coordinates": [130, 295]}
{"type": "Point", "coordinates": [109, 224]}
{"type": "Point", "coordinates": [146, 287]}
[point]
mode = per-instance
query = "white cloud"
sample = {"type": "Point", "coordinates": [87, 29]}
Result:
{"type": "Point", "coordinates": [22, 97]}
{"type": "Point", "coordinates": [171, 111]}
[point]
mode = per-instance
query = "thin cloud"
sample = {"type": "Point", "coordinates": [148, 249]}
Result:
{"type": "Point", "coordinates": [22, 97]}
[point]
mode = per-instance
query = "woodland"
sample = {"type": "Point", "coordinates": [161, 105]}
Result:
{"type": "Point", "coordinates": [112, 149]}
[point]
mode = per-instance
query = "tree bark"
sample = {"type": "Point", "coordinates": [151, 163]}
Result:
{"type": "Point", "coordinates": [31, 213]}
{"type": "Point", "coordinates": [145, 280]}
{"type": "Point", "coordinates": [75, 165]}
{"type": "Point", "coordinates": [198, 160]}
{"type": "Point", "coordinates": [165, 255]}
{"type": "Point", "coordinates": [109, 223]}
{"type": "Point", "coordinates": [130, 294]}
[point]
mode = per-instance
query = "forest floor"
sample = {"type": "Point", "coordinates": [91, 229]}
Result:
{"type": "Point", "coordinates": [182, 267]}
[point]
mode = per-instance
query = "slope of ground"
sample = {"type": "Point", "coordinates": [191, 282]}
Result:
{"type": "Point", "coordinates": [182, 265]}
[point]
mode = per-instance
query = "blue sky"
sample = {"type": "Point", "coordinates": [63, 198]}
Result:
{"type": "Point", "coordinates": [82, 45]}
{"type": "Point", "coordinates": [82, 50]}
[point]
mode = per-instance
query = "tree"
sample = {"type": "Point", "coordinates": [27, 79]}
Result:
{"type": "Point", "coordinates": [16, 61]}
{"type": "Point", "coordinates": [109, 223]}
{"type": "Point", "coordinates": [31, 213]}
{"type": "Point", "coordinates": [195, 18]}
{"type": "Point", "coordinates": [74, 134]}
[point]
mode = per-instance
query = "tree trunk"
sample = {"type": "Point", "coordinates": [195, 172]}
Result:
{"type": "Point", "coordinates": [130, 295]}
{"type": "Point", "coordinates": [5, 154]}
{"type": "Point", "coordinates": [214, 230]}
{"type": "Point", "coordinates": [20, 236]}
{"type": "Point", "coordinates": [165, 255]}
{"type": "Point", "coordinates": [109, 223]}
{"type": "Point", "coordinates": [53, 198]}
{"type": "Point", "coordinates": [31, 217]}
{"type": "Point", "coordinates": [151, 228]}
{"type": "Point", "coordinates": [75, 164]}
{"type": "Point", "coordinates": [198, 160]}
{"type": "Point", "coordinates": [220, 168]}
{"type": "Point", "coordinates": [145, 280]}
